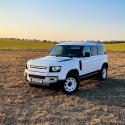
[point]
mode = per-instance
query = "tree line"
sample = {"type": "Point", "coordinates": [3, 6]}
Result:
{"type": "Point", "coordinates": [48, 41]}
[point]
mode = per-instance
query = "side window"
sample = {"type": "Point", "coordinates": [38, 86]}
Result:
{"type": "Point", "coordinates": [86, 49]}
{"type": "Point", "coordinates": [94, 51]}
{"type": "Point", "coordinates": [100, 50]}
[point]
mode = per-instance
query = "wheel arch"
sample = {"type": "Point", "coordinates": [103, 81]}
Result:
{"type": "Point", "coordinates": [74, 71]}
{"type": "Point", "coordinates": [105, 65]}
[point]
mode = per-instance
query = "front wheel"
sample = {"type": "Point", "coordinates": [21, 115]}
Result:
{"type": "Point", "coordinates": [71, 84]}
{"type": "Point", "coordinates": [103, 73]}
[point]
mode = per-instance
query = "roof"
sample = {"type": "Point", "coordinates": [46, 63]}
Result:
{"type": "Point", "coordinates": [80, 43]}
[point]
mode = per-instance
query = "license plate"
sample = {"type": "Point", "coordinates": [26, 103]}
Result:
{"type": "Point", "coordinates": [36, 80]}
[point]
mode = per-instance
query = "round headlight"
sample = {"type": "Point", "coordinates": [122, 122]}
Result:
{"type": "Point", "coordinates": [55, 68]}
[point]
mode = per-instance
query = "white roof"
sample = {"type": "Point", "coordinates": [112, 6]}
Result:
{"type": "Point", "coordinates": [80, 43]}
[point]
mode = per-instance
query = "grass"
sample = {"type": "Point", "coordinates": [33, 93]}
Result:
{"type": "Point", "coordinates": [16, 44]}
{"type": "Point", "coordinates": [115, 47]}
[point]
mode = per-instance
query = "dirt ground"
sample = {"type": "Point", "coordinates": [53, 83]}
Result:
{"type": "Point", "coordinates": [96, 102]}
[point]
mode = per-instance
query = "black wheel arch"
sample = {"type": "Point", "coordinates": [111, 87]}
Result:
{"type": "Point", "coordinates": [73, 71]}
{"type": "Point", "coordinates": [105, 65]}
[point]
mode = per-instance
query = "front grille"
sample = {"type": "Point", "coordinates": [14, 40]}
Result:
{"type": "Point", "coordinates": [38, 67]}
{"type": "Point", "coordinates": [35, 76]}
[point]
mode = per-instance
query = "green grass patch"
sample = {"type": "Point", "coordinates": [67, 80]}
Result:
{"type": "Point", "coordinates": [17, 44]}
{"type": "Point", "coordinates": [115, 47]}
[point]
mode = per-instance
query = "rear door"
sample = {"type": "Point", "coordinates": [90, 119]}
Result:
{"type": "Point", "coordinates": [95, 59]}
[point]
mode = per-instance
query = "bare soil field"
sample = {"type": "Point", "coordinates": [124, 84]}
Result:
{"type": "Point", "coordinates": [95, 103]}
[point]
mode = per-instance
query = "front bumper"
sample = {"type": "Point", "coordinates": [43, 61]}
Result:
{"type": "Point", "coordinates": [45, 80]}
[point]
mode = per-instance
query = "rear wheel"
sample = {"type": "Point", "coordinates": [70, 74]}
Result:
{"type": "Point", "coordinates": [103, 73]}
{"type": "Point", "coordinates": [71, 84]}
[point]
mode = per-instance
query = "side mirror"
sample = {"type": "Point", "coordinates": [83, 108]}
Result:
{"type": "Point", "coordinates": [87, 54]}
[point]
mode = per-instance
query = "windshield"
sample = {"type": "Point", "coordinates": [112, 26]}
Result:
{"type": "Point", "coordinates": [66, 51]}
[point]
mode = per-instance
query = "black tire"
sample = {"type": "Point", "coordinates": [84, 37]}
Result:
{"type": "Point", "coordinates": [103, 73]}
{"type": "Point", "coordinates": [31, 85]}
{"type": "Point", "coordinates": [71, 84]}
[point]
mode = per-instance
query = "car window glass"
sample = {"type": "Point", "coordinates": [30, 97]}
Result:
{"type": "Point", "coordinates": [57, 50]}
{"type": "Point", "coordinates": [100, 50]}
{"type": "Point", "coordinates": [66, 51]}
{"type": "Point", "coordinates": [86, 49]}
{"type": "Point", "coordinates": [93, 51]}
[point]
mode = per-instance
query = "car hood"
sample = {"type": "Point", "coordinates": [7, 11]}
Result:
{"type": "Point", "coordinates": [48, 60]}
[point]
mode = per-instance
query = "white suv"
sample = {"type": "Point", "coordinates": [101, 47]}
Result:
{"type": "Point", "coordinates": [68, 63]}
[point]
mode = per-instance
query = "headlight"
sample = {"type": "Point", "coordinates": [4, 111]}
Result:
{"type": "Point", "coordinates": [55, 69]}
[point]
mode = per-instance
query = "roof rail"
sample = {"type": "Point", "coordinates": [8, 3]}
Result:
{"type": "Point", "coordinates": [97, 42]}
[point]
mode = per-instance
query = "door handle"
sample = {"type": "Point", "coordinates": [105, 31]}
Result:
{"type": "Point", "coordinates": [80, 65]}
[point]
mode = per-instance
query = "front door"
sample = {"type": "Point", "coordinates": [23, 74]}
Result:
{"type": "Point", "coordinates": [85, 62]}
{"type": "Point", "coordinates": [89, 64]}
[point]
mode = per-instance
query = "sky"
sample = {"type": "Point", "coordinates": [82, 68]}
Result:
{"type": "Point", "coordinates": [63, 19]}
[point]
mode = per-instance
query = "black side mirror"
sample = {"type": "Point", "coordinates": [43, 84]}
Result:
{"type": "Point", "coordinates": [87, 54]}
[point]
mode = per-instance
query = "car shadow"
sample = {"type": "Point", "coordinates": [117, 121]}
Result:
{"type": "Point", "coordinates": [110, 92]}
{"type": "Point", "coordinates": [52, 89]}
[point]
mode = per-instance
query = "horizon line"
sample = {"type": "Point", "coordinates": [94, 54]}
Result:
{"type": "Point", "coordinates": [37, 39]}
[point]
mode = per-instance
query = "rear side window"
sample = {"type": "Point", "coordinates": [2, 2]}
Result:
{"type": "Point", "coordinates": [94, 51]}
{"type": "Point", "coordinates": [100, 50]}
{"type": "Point", "coordinates": [86, 49]}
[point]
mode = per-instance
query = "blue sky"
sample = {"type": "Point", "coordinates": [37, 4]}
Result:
{"type": "Point", "coordinates": [63, 19]}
